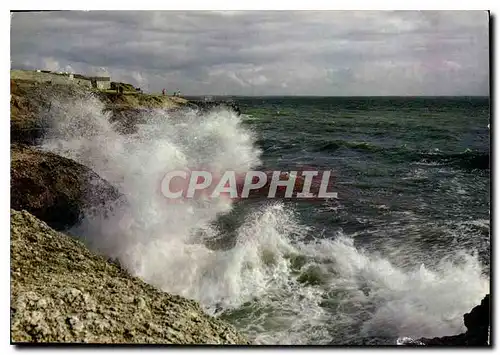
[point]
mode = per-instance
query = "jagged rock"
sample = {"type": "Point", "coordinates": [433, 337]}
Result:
{"type": "Point", "coordinates": [61, 292]}
{"type": "Point", "coordinates": [477, 322]}
{"type": "Point", "coordinates": [55, 189]}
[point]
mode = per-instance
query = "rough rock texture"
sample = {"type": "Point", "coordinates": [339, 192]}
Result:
{"type": "Point", "coordinates": [477, 322]}
{"type": "Point", "coordinates": [61, 292]}
{"type": "Point", "coordinates": [24, 124]}
{"type": "Point", "coordinates": [30, 105]}
{"type": "Point", "coordinates": [55, 189]}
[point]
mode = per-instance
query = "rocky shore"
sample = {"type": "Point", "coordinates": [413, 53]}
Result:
{"type": "Point", "coordinates": [60, 290]}
{"type": "Point", "coordinates": [210, 104]}
{"type": "Point", "coordinates": [31, 103]}
{"type": "Point", "coordinates": [55, 189]}
{"type": "Point", "coordinates": [63, 292]}
{"type": "Point", "coordinates": [477, 322]}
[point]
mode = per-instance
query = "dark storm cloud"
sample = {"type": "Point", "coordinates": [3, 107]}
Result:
{"type": "Point", "coordinates": [264, 53]}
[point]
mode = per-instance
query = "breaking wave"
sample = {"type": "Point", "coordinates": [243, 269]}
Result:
{"type": "Point", "coordinates": [278, 280]}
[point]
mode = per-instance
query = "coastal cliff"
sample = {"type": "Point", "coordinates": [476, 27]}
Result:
{"type": "Point", "coordinates": [60, 290]}
{"type": "Point", "coordinates": [64, 292]}
{"type": "Point", "coordinates": [31, 103]}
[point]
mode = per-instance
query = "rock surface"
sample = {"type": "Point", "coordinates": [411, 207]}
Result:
{"type": "Point", "coordinates": [61, 292]}
{"type": "Point", "coordinates": [209, 105]}
{"type": "Point", "coordinates": [30, 104]}
{"type": "Point", "coordinates": [25, 127]}
{"type": "Point", "coordinates": [477, 322]}
{"type": "Point", "coordinates": [55, 189]}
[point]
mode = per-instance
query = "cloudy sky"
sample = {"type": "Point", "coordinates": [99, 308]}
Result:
{"type": "Point", "coordinates": [264, 53]}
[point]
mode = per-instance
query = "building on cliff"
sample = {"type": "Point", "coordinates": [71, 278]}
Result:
{"type": "Point", "coordinates": [97, 82]}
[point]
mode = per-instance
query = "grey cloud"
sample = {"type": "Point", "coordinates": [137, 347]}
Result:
{"type": "Point", "coordinates": [265, 52]}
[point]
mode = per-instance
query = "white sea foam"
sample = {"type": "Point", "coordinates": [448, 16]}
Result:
{"type": "Point", "coordinates": [280, 282]}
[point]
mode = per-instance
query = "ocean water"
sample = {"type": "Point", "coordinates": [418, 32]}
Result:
{"type": "Point", "coordinates": [403, 252]}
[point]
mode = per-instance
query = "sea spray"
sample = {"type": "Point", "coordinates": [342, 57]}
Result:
{"type": "Point", "coordinates": [281, 282]}
{"type": "Point", "coordinates": [136, 163]}
{"type": "Point", "coordinates": [393, 300]}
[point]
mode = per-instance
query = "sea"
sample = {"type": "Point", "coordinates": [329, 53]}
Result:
{"type": "Point", "coordinates": [402, 252]}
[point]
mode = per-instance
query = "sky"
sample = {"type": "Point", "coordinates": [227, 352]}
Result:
{"type": "Point", "coordinates": [325, 53]}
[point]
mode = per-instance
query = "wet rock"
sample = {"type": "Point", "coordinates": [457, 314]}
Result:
{"type": "Point", "coordinates": [477, 322]}
{"type": "Point", "coordinates": [62, 292]}
{"type": "Point", "coordinates": [30, 107]}
{"type": "Point", "coordinates": [56, 189]}
{"type": "Point", "coordinates": [25, 127]}
{"type": "Point", "coordinates": [210, 105]}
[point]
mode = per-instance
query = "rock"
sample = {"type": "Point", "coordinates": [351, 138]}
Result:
{"type": "Point", "coordinates": [62, 292]}
{"type": "Point", "coordinates": [126, 119]}
{"type": "Point", "coordinates": [31, 104]}
{"type": "Point", "coordinates": [24, 124]}
{"type": "Point", "coordinates": [477, 322]}
{"type": "Point", "coordinates": [210, 105]}
{"type": "Point", "coordinates": [56, 189]}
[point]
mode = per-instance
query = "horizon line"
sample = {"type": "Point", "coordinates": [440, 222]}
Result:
{"type": "Point", "coordinates": [334, 96]}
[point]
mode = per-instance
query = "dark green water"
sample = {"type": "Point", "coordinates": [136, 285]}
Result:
{"type": "Point", "coordinates": [428, 157]}
{"type": "Point", "coordinates": [414, 189]}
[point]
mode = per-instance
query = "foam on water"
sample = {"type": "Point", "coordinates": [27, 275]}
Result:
{"type": "Point", "coordinates": [280, 282]}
